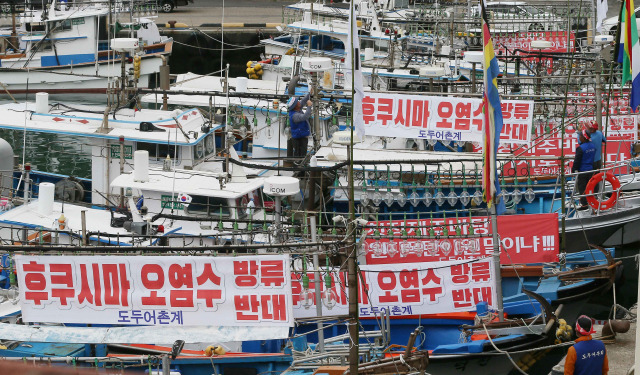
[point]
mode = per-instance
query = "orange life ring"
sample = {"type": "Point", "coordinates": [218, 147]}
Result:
{"type": "Point", "coordinates": [592, 200]}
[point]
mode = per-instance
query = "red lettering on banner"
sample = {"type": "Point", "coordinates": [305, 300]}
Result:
{"type": "Point", "coordinates": [462, 298]}
{"type": "Point", "coordinates": [116, 284]}
{"type": "Point", "coordinates": [521, 111]}
{"type": "Point", "coordinates": [387, 283]}
{"type": "Point", "coordinates": [403, 119]}
{"type": "Point", "coordinates": [246, 273]}
{"type": "Point", "coordinates": [463, 116]}
{"type": "Point", "coordinates": [410, 284]}
{"type": "Point", "coordinates": [153, 284]}
{"type": "Point", "coordinates": [432, 292]}
{"type": "Point", "coordinates": [65, 279]}
{"type": "Point", "coordinates": [460, 273]}
{"type": "Point", "coordinates": [273, 307]}
{"type": "Point", "coordinates": [209, 295]}
{"type": "Point", "coordinates": [480, 271]}
{"type": "Point", "coordinates": [181, 276]}
{"type": "Point", "coordinates": [420, 113]}
{"type": "Point", "coordinates": [247, 308]}
{"type": "Point", "coordinates": [272, 273]}
{"type": "Point", "coordinates": [35, 283]}
{"type": "Point", "coordinates": [85, 290]}
{"type": "Point", "coordinates": [385, 110]}
{"type": "Point", "coordinates": [477, 117]}
{"type": "Point", "coordinates": [368, 109]}
{"type": "Point", "coordinates": [507, 110]}
{"type": "Point", "coordinates": [445, 111]}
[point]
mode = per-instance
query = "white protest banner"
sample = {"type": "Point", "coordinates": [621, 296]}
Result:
{"type": "Point", "coordinates": [442, 118]}
{"type": "Point", "coordinates": [155, 290]}
{"type": "Point", "coordinates": [408, 289]}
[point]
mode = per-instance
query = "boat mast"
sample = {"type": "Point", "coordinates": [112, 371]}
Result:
{"type": "Point", "coordinates": [351, 253]}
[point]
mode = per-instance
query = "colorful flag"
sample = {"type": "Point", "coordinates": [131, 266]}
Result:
{"type": "Point", "coordinates": [353, 74]}
{"type": "Point", "coordinates": [492, 114]}
{"type": "Point", "coordinates": [628, 50]}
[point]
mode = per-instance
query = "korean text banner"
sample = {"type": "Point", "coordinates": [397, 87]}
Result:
{"type": "Point", "coordinates": [409, 289]}
{"type": "Point", "coordinates": [546, 149]}
{"type": "Point", "coordinates": [525, 239]}
{"type": "Point", "coordinates": [442, 118]}
{"type": "Point", "coordinates": [153, 290]}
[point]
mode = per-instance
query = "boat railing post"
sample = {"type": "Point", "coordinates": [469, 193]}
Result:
{"type": "Point", "coordinates": [121, 141]}
{"type": "Point", "coordinates": [496, 262]}
{"type": "Point", "coordinates": [166, 365]}
{"type": "Point", "coordinates": [27, 182]}
{"type": "Point", "coordinates": [83, 218]}
{"type": "Point", "coordinates": [318, 281]}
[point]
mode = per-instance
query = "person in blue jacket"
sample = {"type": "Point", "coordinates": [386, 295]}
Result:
{"type": "Point", "coordinates": [300, 128]}
{"type": "Point", "coordinates": [587, 356]}
{"type": "Point", "coordinates": [597, 138]}
{"type": "Point", "coordinates": [583, 162]}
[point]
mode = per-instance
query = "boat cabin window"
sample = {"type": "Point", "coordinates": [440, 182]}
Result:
{"type": "Point", "coordinates": [63, 25]}
{"type": "Point", "coordinates": [157, 151]}
{"type": "Point", "coordinates": [243, 202]}
{"type": "Point", "coordinates": [34, 27]}
{"type": "Point", "coordinates": [211, 206]}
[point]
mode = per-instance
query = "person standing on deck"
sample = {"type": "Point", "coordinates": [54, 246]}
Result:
{"type": "Point", "coordinates": [597, 138]}
{"type": "Point", "coordinates": [300, 128]}
{"type": "Point", "coordinates": [583, 163]}
{"type": "Point", "coordinates": [587, 356]}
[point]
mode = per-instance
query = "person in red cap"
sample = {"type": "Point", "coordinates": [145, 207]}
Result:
{"type": "Point", "coordinates": [587, 356]}
{"type": "Point", "coordinates": [583, 164]}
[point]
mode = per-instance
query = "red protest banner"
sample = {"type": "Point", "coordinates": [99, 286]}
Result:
{"type": "Point", "coordinates": [525, 239]}
{"type": "Point", "coordinates": [522, 41]}
{"type": "Point", "coordinates": [545, 149]}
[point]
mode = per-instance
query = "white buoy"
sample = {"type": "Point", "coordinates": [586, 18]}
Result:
{"type": "Point", "coordinates": [241, 84]}
{"type": "Point", "coordinates": [141, 166]}
{"type": "Point", "coordinates": [45, 198]}
{"type": "Point", "coordinates": [42, 102]}
{"type": "Point", "coordinates": [368, 54]}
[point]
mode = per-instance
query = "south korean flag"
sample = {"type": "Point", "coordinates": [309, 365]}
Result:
{"type": "Point", "coordinates": [185, 199]}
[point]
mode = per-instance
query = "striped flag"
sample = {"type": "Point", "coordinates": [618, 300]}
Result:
{"type": "Point", "coordinates": [492, 119]}
{"type": "Point", "coordinates": [629, 51]}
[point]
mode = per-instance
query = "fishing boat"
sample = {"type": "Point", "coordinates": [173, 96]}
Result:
{"type": "Point", "coordinates": [66, 48]}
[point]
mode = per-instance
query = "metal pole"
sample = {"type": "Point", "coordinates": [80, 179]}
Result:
{"type": "Point", "coordinates": [27, 182]}
{"type": "Point", "coordinates": [637, 347]}
{"type": "Point", "coordinates": [473, 78]}
{"type": "Point", "coordinates": [83, 218]}
{"type": "Point", "coordinates": [166, 365]}
{"type": "Point", "coordinates": [598, 92]}
{"type": "Point", "coordinates": [496, 261]}
{"type": "Point", "coordinates": [316, 111]}
{"type": "Point", "coordinates": [318, 283]}
{"type": "Point", "coordinates": [121, 169]}
{"type": "Point", "coordinates": [354, 351]}
{"type": "Point", "coordinates": [352, 266]}
{"type": "Point", "coordinates": [278, 217]}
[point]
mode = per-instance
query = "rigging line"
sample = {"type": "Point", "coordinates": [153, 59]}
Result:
{"type": "Point", "coordinates": [218, 49]}
{"type": "Point", "coordinates": [219, 41]}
